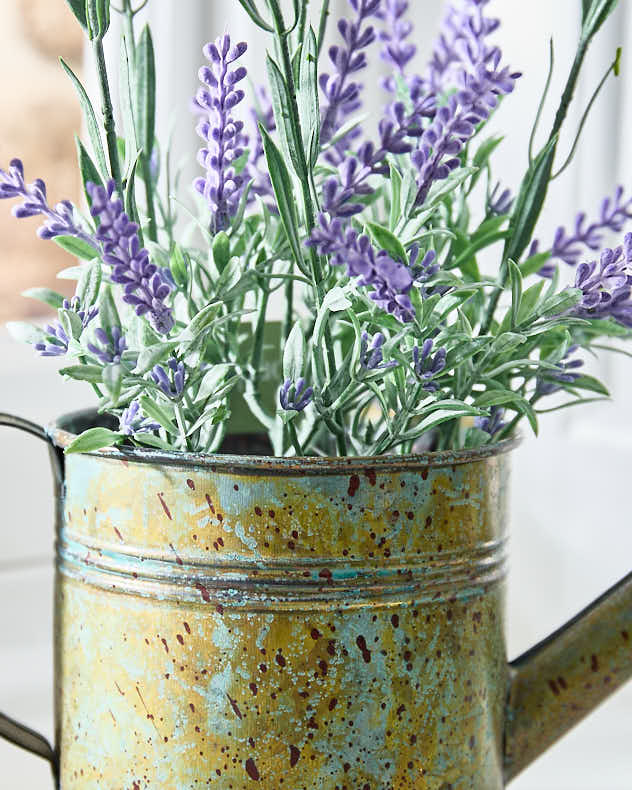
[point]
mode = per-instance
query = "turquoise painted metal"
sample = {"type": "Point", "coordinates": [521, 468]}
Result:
{"type": "Point", "coordinates": [316, 624]}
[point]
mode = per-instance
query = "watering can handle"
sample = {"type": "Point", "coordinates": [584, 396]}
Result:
{"type": "Point", "coordinates": [10, 729]}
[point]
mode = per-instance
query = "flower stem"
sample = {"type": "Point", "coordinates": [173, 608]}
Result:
{"type": "Point", "coordinates": [322, 27]}
{"type": "Point", "coordinates": [108, 112]}
{"type": "Point", "coordinates": [294, 438]}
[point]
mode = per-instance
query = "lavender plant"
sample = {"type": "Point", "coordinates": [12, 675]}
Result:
{"type": "Point", "coordinates": [392, 339]}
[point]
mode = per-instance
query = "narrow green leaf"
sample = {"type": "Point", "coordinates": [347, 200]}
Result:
{"type": "Point", "coordinates": [281, 103]}
{"type": "Point", "coordinates": [387, 241]}
{"type": "Point", "coordinates": [163, 415]}
{"type": "Point", "coordinates": [294, 354]}
{"type": "Point", "coordinates": [284, 193]}
{"type": "Point", "coordinates": [251, 9]}
{"type": "Point", "coordinates": [396, 196]}
{"type": "Point", "coordinates": [534, 263]}
{"type": "Point", "coordinates": [335, 301]}
{"type": "Point", "coordinates": [126, 93]}
{"type": "Point", "coordinates": [78, 8]}
{"type": "Point", "coordinates": [94, 439]}
{"type": "Point", "coordinates": [113, 380]}
{"type": "Point", "coordinates": [221, 251]}
{"type": "Point", "coordinates": [308, 104]}
{"type": "Point", "coordinates": [91, 121]}
{"type": "Point", "coordinates": [91, 373]}
{"type": "Point", "coordinates": [46, 295]}
{"type": "Point", "coordinates": [153, 355]}
{"type": "Point", "coordinates": [515, 279]}
{"type": "Point", "coordinates": [89, 284]}
{"type": "Point", "coordinates": [87, 168]}
{"type": "Point", "coordinates": [108, 314]}
{"type": "Point", "coordinates": [530, 301]}
{"type": "Point", "coordinates": [77, 247]}
{"type": "Point", "coordinates": [145, 94]}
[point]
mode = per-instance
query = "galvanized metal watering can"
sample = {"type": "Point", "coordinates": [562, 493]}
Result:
{"type": "Point", "coordinates": [311, 624]}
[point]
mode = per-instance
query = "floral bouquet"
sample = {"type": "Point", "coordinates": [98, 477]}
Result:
{"type": "Point", "coordinates": [392, 339]}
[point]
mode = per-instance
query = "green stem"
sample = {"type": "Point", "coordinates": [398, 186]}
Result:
{"type": "Point", "coordinates": [302, 21]}
{"type": "Point", "coordinates": [108, 113]}
{"type": "Point", "coordinates": [294, 438]}
{"type": "Point", "coordinates": [322, 27]}
{"type": "Point", "coordinates": [289, 309]}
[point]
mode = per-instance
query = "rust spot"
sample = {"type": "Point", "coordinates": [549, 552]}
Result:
{"type": "Point", "coordinates": [203, 592]}
{"type": "Point", "coordinates": [354, 484]}
{"type": "Point", "coordinates": [562, 683]}
{"type": "Point", "coordinates": [294, 756]}
{"type": "Point", "coordinates": [164, 642]}
{"type": "Point", "coordinates": [254, 689]}
{"type": "Point", "coordinates": [258, 510]}
{"type": "Point", "coordinates": [187, 627]}
{"type": "Point", "coordinates": [315, 633]}
{"type": "Point", "coordinates": [234, 706]}
{"type": "Point", "coordinates": [366, 653]}
{"type": "Point", "coordinates": [192, 706]}
{"type": "Point", "coordinates": [191, 484]}
{"type": "Point", "coordinates": [178, 560]}
{"type": "Point", "coordinates": [594, 663]}
{"type": "Point", "coordinates": [180, 638]}
{"type": "Point", "coordinates": [325, 573]}
{"type": "Point", "coordinates": [424, 474]}
{"type": "Point", "coordinates": [219, 609]}
{"type": "Point", "coordinates": [118, 688]}
{"type": "Point", "coordinates": [251, 770]}
{"type": "Point", "coordinates": [118, 534]}
{"type": "Point", "coordinates": [554, 688]}
{"type": "Point", "coordinates": [210, 503]}
{"type": "Point", "coordinates": [370, 476]}
{"type": "Point", "coordinates": [280, 660]}
{"type": "Point", "coordinates": [332, 703]}
{"type": "Point", "coordinates": [164, 507]}
{"type": "Point", "coordinates": [625, 636]}
{"type": "Point", "coordinates": [395, 620]}
{"type": "Point", "coordinates": [322, 665]}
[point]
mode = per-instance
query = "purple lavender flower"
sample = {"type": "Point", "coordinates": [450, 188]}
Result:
{"type": "Point", "coordinates": [426, 367]}
{"type": "Point", "coordinates": [172, 386]}
{"type": "Point", "coordinates": [145, 288]}
{"type": "Point", "coordinates": [112, 345]}
{"type": "Point", "coordinates": [295, 396]}
{"type": "Point", "coordinates": [461, 42]}
{"type": "Point", "coordinates": [60, 221]}
{"type": "Point", "coordinates": [606, 286]}
{"type": "Point", "coordinates": [391, 281]}
{"type": "Point", "coordinates": [342, 94]}
{"type": "Point", "coordinates": [132, 421]}
{"type": "Point", "coordinates": [455, 122]}
{"type": "Point", "coordinates": [56, 342]}
{"type": "Point", "coordinates": [551, 381]}
{"type": "Point", "coordinates": [569, 247]}
{"type": "Point", "coordinates": [75, 306]}
{"type": "Point", "coordinates": [371, 356]}
{"type": "Point", "coordinates": [497, 206]}
{"type": "Point", "coordinates": [395, 49]}
{"type": "Point", "coordinates": [222, 186]}
{"type": "Point", "coordinates": [492, 423]}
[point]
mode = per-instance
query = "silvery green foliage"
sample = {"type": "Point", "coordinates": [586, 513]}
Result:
{"type": "Point", "coordinates": [392, 339]}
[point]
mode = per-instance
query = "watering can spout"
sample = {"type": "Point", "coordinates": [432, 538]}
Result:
{"type": "Point", "coordinates": [559, 681]}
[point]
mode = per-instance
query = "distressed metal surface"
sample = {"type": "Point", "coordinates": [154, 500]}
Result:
{"type": "Point", "coordinates": [557, 683]}
{"type": "Point", "coordinates": [255, 628]}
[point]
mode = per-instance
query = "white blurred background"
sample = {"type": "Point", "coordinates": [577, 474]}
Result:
{"type": "Point", "coordinates": [571, 529]}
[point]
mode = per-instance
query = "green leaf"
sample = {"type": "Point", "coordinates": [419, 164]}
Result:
{"type": "Point", "coordinates": [108, 314]}
{"type": "Point", "coordinates": [284, 194]}
{"type": "Point", "coordinates": [221, 251]}
{"type": "Point", "coordinates": [91, 373]}
{"type": "Point", "coordinates": [334, 302]}
{"type": "Point", "coordinates": [113, 380]}
{"type": "Point", "coordinates": [396, 196]}
{"type": "Point", "coordinates": [72, 324]}
{"type": "Point", "coordinates": [77, 247]}
{"type": "Point", "coordinates": [78, 8]}
{"type": "Point", "coordinates": [94, 439]}
{"type": "Point", "coordinates": [594, 14]}
{"type": "Point", "coordinates": [153, 355]}
{"type": "Point", "coordinates": [589, 383]}
{"type": "Point", "coordinates": [480, 243]}
{"type": "Point", "coordinates": [91, 120]}
{"type": "Point", "coordinates": [308, 104]}
{"type": "Point", "coordinates": [387, 241]}
{"type": "Point", "coordinates": [512, 400]}
{"type": "Point", "coordinates": [87, 168]}
{"type": "Point", "coordinates": [507, 342]}
{"type": "Point", "coordinates": [281, 103]}
{"type": "Point", "coordinates": [145, 94]}
{"type": "Point", "coordinates": [534, 263]}
{"type": "Point", "coordinates": [529, 303]}
{"type": "Point", "coordinates": [98, 18]}
{"type": "Point", "coordinates": [212, 380]}
{"type": "Point", "coordinates": [294, 354]}
{"type": "Point", "coordinates": [163, 415]}
{"type": "Point", "coordinates": [515, 278]}
{"type": "Point", "coordinates": [482, 156]}
{"type": "Point", "coordinates": [46, 295]}
{"type": "Point", "coordinates": [201, 321]}
{"type": "Point", "coordinates": [251, 9]}
{"type": "Point", "coordinates": [126, 100]}
{"type": "Point", "coordinates": [89, 284]}
{"type": "Point", "coordinates": [559, 303]}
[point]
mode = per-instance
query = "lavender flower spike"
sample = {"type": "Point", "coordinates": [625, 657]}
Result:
{"type": "Point", "coordinates": [112, 345]}
{"type": "Point", "coordinates": [145, 288]}
{"type": "Point", "coordinates": [426, 367]}
{"type": "Point", "coordinates": [493, 423]}
{"type": "Point", "coordinates": [222, 133]}
{"type": "Point", "coordinates": [56, 343]}
{"type": "Point", "coordinates": [391, 281]}
{"type": "Point", "coordinates": [552, 381]}
{"type": "Point", "coordinates": [60, 221]}
{"type": "Point", "coordinates": [295, 396]}
{"type": "Point", "coordinates": [174, 387]}
{"type": "Point", "coordinates": [371, 356]}
{"type": "Point", "coordinates": [606, 286]}
{"type": "Point", "coordinates": [341, 94]}
{"type": "Point", "coordinates": [132, 421]}
{"type": "Point", "coordinates": [395, 49]}
{"type": "Point", "coordinates": [569, 247]}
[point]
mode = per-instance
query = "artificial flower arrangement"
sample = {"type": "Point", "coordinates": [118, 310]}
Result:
{"type": "Point", "coordinates": [391, 335]}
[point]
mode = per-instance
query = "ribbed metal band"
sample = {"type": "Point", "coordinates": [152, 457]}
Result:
{"type": "Point", "coordinates": [304, 584]}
